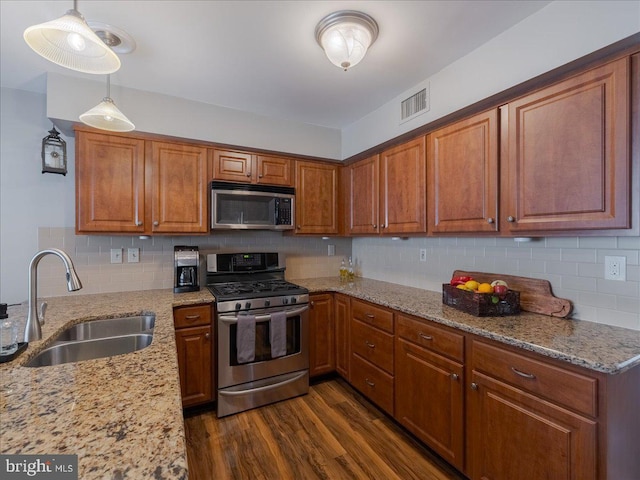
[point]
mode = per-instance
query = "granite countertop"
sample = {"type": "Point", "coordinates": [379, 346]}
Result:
{"type": "Point", "coordinates": [121, 415]}
{"type": "Point", "coordinates": [598, 347]}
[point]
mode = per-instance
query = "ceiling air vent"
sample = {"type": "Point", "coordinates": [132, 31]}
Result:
{"type": "Point", "coordinates": [415, 105]}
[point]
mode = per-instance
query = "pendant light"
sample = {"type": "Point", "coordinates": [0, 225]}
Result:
{"type": "Point", "coordinates": [345, 37]}
{"type": "Point", "coordinates": [68, 41]}
{"type": "Point", "coordinates": [106, 115]}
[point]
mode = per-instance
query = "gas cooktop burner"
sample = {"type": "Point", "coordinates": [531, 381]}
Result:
{"type": "Point", "coordinates": [249, 289]}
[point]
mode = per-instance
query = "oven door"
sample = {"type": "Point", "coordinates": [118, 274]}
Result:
{"type": "Point", "coordinates": [231, 372]}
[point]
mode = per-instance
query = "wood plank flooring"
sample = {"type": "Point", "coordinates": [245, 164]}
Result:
{"type": "Point", "coordinates": [332, 433]}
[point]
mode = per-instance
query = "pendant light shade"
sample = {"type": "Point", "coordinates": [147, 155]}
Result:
{"type": "Point", "coordinates": [68, 41]}
{"type": "Point", "coordinates": [345, 37]}
{"type": "Point", "coordinates": [106, 116]}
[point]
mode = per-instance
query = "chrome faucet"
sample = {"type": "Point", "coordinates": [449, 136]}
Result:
{"type": "Point", "coordinates": [32, 330]}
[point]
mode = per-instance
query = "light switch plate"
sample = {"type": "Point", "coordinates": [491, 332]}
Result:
{"type": "Point", "coordinates": [116, 255]}
{"type": "Point", "coordinates": [423, 254]}
{"type": "Point", "coordinates": [133, 255]}
{"type": "Point", "coordinates": [331, 250]}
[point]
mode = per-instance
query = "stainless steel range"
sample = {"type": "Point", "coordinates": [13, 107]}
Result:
{"type": "Point", "coordinates": [262, 330]}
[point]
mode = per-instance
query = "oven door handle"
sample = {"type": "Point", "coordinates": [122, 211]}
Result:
{"type": "Point", "coordinates": [263, 318]}
{"type": "Point", "coordinates": [232, 393]}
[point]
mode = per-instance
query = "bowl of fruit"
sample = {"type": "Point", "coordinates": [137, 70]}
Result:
{"type": "Point", "coordinates": [482, 299]}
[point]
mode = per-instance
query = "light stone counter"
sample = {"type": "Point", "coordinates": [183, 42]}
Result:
{"type": "Point", "coordinates": [122, 415]}
{"type": "Point", "coordinates": [598, 347]}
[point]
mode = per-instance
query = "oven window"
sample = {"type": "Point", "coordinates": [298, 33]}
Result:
{"type": "Point", "coordinates": [263, 345]}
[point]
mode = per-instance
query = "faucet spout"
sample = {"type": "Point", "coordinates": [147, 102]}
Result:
{"type": "Point", "coordinates": [32, 330]}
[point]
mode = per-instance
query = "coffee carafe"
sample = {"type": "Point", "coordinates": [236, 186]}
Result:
{"type": "Point", "coordinates": [186, 275]}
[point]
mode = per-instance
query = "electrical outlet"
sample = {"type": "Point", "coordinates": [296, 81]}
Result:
{"type": "Point", "coordinates": [423, 254]}
{"type": "Point", "coordinates": [116, 255]}
{"type": "Point", "coordinates": [133, 255]}
{"type": "Point", "coordinates": [331, 250]}
{"type": "Point", "coordinates": [615, 268]}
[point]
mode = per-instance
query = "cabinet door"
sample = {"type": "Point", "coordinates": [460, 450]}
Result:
{"type": "Point", "coordinates": [109, 183]}
{"type": "Point", "coordinates": [567, 164]}
{"type": "Point", "coordinates": [462, 166]}
{"type": "Point", "coordinates": [274, 170]}
{"type": "Point", "coordinates": [342, 314]}
{"type": "Point", "coordinates": [429, 399]}
{"type": "Point", "coordinates": [518, 436]}
{"type": "Point", "coordinates": [317, 198]}
{"type": "Point", "coordinates": [232, 166]}
{"type": "Point", "coordinates": [403, 198]}
{"type": "Point", "coordinates": [178, 188]}
{"type": "Point", "coordinates": [195, 357]}
{"type": "Point", "coordinates": [321, 335]}
{"type": "Point", "coordinates": [363, 196]}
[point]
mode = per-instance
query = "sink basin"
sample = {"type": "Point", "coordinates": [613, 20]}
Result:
{"type": "Point", "coordinates": [108, 327]}
{"type": "Point", "coordinates": [76, 351]}
{"type": "Point", "coordinates": [104, 337]}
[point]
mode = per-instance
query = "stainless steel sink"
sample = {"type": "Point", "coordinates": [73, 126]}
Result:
{"type": "Point", "coordinates": [108, 327]}
{"type": "Point", "coordinates": [104, 337]}
{"type": "Point", "coordinates": [76, 351]}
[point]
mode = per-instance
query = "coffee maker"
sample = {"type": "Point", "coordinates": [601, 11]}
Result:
{"type": "Point", "coordinates": [186, 275]}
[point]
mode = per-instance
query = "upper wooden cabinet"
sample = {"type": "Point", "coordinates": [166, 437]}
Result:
{"type": "Point", "coordinates": [565, 158]}
{"type": "Point", "coordinates": [462, 166]}
{"type": "Point", "coordinates": [387, 192]}
{"type": "Point", "coordinates": [129, 185]}
{"type": "Point", "coordinates": [245, 167]}
{"type": "Point", "coordinates": [317, 198]}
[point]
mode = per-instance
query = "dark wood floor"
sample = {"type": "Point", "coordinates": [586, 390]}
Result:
{"type": "Point", "coordinates": [331, 433]}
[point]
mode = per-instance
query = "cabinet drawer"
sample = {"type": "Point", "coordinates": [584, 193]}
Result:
{"type": "Point", "coordinates": [432, 337]}
{"type": "Point", "coordinates": [374, 383]}
{"type": "Point", "coordinates": [561, 386]}
{"type": "Point", "coordinates": [377, 316]}
{"type": "Point", "coordinates": [372, 344]}
{"type": "Point", "coordinates": [192, 316]}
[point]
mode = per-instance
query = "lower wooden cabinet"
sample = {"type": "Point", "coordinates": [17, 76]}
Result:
{"type": "Point", "coordinates": [429, 394]}
{"type": "Point", "coordinates": [194, 342]}
{"type": "Point", "coordinates": [342, 312]}
{"type": "Point", "coordinates": [322, 358]}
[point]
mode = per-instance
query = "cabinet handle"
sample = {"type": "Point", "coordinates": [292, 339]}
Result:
{"type": "Point", "coordinates": [523, 374]}
{"type": "Point", "coordinates": [260, 176]}
{"type": "Point", "coordinates": [248, 174]}
{"type": "Point", "coordinates": [369, 315]}
{"type": "Point", "coordinates": [191, 317]}
{"type": "Point", "coordinates": [474, 386]}
{"type": "Point", "coordinates": [370, 345]}
{"type": "Point", "coordinates": [298, 227]}
{"type": "Point", "coordinates": [454, 376]}
{"type": "Point", "coordinates": [369, 382]}
{"type": "Point", "coordinates": [138, 223]}
{"type": "Point", "coordinates": [312, 304]}
{"type": "Point", "coordinates": [375, 226]}
{"type": "Point", "coordinates": [383, 225]}
{"type": "Point", "coordinates": [425, 337]}
{"type": "Point", "coordinates": [156, 223]}
{"type": "Point", "coordinates": [510, 219]}
{"type": "Point", "coordinates": [207, 336]}
{"type": "Point", "coordinates": [489, 220]}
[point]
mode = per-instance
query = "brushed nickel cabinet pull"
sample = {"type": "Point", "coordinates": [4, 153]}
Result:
{"type": "Point", "coordinates": [370, 345]}
{"type": "Point", "coordinates": [370, 315]}
{"type": "Point", "coordinates": [375, 226]}
{"type": "Point", "coordinates": [489, 220]}
{"type": "Point", "coordinates": [510, 219]}
{"type": "Point", "coordinates": [260, 176]}
{"type": "Point", "coordinates": [474, 386]}
{"type": "Point", "coordinates": [191, 317]}
{"type": "Point", "coordinates": [523, 374]}
{"type": "Point", "coordinates": [455, 376]}
{"type": "Point", "coordinates": [369, 382]}
{"type": "Point", "coordinates": [425, 337]}
{"type": "Point", "coordinates": [248, 174]}
{"type": "Point", "coordinates": [207, 336]}
{"type": "Point", "coordinates": [312, 304]}
{"type": "Point", "coordinates": [156, 223]}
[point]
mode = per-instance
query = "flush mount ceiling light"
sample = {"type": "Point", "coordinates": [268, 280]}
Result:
{"type": "Point", "coordinates": [115, 38]}
{"type": "Point", "coordinates": [345, 37]}
{"type": "Point", "coordinates": [68, 41]}
{"type": "Point", "coordinates": [106, 115]}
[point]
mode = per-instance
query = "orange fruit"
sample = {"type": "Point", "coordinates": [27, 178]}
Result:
{"type": "Point", "coordinates": [472, 285]}
{"type": "Point", "coordinates": [485, 288]}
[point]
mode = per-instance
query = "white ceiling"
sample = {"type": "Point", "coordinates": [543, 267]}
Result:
{"type": "Point", "coordinates": [261, 56]}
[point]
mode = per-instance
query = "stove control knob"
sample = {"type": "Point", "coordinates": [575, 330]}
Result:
{"type": "Point", "coordinates": [247, 305]}
{"type": "Point", "coordinates": [267, 303]}
{"type": "Point", "coordinates": [294, 299]}
{"type": "Point", "coordinates": [238, 306]}
{"type": "Point", "coordinates": [285, 301]}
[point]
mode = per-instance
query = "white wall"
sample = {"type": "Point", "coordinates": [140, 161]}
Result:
{"type": "Point", "coordinates": [573, 266]}
{"type": "Point", "coordinates": [557, 34]}
{"type": "Point", "coordinates": [69, 97]}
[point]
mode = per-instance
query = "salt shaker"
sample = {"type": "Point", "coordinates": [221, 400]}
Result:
{"type": "Point", "coordinates": [8, 332]}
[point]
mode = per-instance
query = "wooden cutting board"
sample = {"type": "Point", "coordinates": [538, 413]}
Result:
{"type": "Point", "coordinates": [535, 294]}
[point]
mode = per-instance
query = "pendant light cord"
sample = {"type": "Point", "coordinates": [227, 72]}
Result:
{"type": "Point", "coordinates": [108, 86]}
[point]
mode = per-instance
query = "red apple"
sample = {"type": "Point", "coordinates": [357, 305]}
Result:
{"type": "Point", "coordinates": [500, 290]}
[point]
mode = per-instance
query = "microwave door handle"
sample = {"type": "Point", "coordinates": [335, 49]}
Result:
{"type": "Point", "coordinates": [262, 318]}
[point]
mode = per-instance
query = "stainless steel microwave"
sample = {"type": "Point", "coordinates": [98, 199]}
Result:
{"type": "Point", "coordinates": [244, 206]}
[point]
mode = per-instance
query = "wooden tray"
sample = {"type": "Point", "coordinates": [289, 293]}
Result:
{"type": "Point", "coordinates": [535, 294]}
